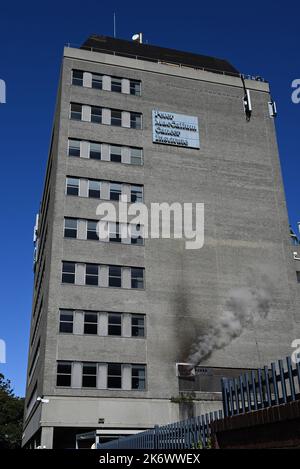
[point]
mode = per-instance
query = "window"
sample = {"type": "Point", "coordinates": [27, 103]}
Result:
{"type": "Point", "coordinates": [136, 194]}
{"type": "Point", "coordinates": [135, 87]}
{"type": "Point", "coordinates": [115, 191]}
{"type": "Point", "coordinates": [70, 228]}
{"type": "Point", "coordinates": [64, 374]}
{"type": "Point", "coordinates": [114, 375]}
{"type": "Point", "coordinates": [135, 120]}
{"type": "Point", "coordinates": [72, 186]}
{"type": "Point", "coordinates": [115, 153]}
{"type": "Point", "coordinates": [298, 276]}
{"type": "Point", "coordinates": [91, 274]}
{"type": "Point", "coordinates": [138, 377]}
{"type": "Point", "coordinates": [115, 276]}
{"type": "Point", "coordinates": [114, 232]}
{"type": "Point", "coordinates": [136, 234]}
{"type": "Point", "coordinates": [116, 118]}
{"type": "Point", "coordinates": [68, 272]}
{"type": "Point", "coordinates": [74, 147]}
{"type": "Point", "coordinates": [136, 156]}
{"type": "Point", "coordinates": [97, 81]}
{"type": "Point", "coordinates": [90, 323]}
{"type": "Point", "coordinates": [66, 321]}
{"type": "Point", "coordinates": [77, 77]}
{"type": "Point", "coordinates": [89, 375]}
{"type": "Point", "coordinates": [92, 230]}
{"type": "Point", "coordinates": [137, 325]}
{"type": "Point", "coordinates": [137, 277]}
{"type": "Point", "coordinates": [114, 324]}
{"type": "Point", "coordinates": [76, 110]}
{"type": "Point", "coordinates": [94, 189]}
{"type": "Point", "coordinates": [116, 85]}
{"type": "Point", "coordinates": [96, 114]}
{"type": "Point", "coordinates": [95, 151]}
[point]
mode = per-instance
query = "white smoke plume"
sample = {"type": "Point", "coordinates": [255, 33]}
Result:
{"type": "Point", "coordinates": [244, 307]}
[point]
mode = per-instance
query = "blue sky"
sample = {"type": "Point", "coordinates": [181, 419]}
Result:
{"type": "Point", "coordinates": [260, 40]}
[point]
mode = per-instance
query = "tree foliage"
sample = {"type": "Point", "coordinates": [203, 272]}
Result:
{"type": "Point", "coordinates": [11, 416]}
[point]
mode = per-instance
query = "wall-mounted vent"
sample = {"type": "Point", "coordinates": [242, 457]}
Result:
{"type": "Point", "coordinates": [185, 370]}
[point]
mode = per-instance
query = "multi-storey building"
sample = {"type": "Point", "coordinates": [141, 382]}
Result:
{"type": "Point", "coordinates": [112, 317]}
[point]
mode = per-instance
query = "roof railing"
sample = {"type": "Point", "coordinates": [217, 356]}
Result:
{"type": "Point", "coordinates": [163, 62]}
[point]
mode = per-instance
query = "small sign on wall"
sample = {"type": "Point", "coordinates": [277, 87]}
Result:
{"type": "Point", "coordinates": [175, 129]}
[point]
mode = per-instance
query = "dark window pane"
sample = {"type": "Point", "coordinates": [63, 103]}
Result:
{"type": "Point", "coordinates": [138, 377]}
{"type": "Point", "coordinates": [135, 88]}
{"type": "Point", "coordinates": [136, 194]}
{"type": "Point", "coordinates": [115, 191]}
{"type": "Point", "coordinates": [91, 280]}
{"type": "Point", "coordinates": [138, 384]}
{"type": "Point", "coordinates": [70, 233]}
{"type": "Point", "coordinates": [90, 329]}
{"type": "Point", "coordinates": [66, 327]}
{"type": "Point", "coordinates": [92, 235]}
{"type": "Point", "coordinates": [116, 85]}
{"type": "Point", "coordinates": [113, 382]}
{"type": "Point", "coordinates": [137, 278]}
{"type": "Point", "coordinates": [96, 114]}
{"type": "Point", "coordinates": [116, 118]}
{"type": "Point", "coordinates": [77, 78]}
{"type": "Point", "coordinates": [69, 267]}
{"type": "Point", "coordinates": [114, 318]}
{"type": "Point", "coordinates": [94, 189]}
{"type": "Point", "coordinates": [68, 272]}
{"type": "Point", "coordinates": [68, 278]}
{"type": "Point", "coordinates": [135, 120]}
{"type": "Point", "coordinates": [115, 154]}
{"type": "Point", "coordinates": [76, 110]}
{"type": "Point", "coordinates": [114, 324]}
{"type": "Point", "coordinates": [92, 269]}
{"type": "Point", "coordinates": [89, 381]}
{"type": "Point", "coordinates": [92, 230]}
{"type": "Point", "coordinates": [97, 81]}
{"type": "Point", "coordinates": [64, 368]}
{"type": "Point", "coordinates": [95, 151]}
{"type": "Point", "coordinates": [137, 326]}
{"type": "Point", "coordinates": [66, 316]}
{"type": "Point", "coordinates": [114, 330]}
{"type": "Point", "coordinates": [114, 369]}
{"type": "Point", "coordinates": [70, 228]}
{"type": "Point", "coordinates": [114, 282]}
{"type": "Point", "coordinates": [72, 186]}
{"type": "Point", "coordinates": [115, 276]}
{"type": "Point", "coordinates": [91, 317]}
{"type": "Point", "coordinates": [74, 148]}
{"type": "Point", "coordinates": [63, 380]}
{"type": "Point", "coordinates": [89, 369]}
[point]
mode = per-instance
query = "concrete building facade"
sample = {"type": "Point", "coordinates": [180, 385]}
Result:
{"type": "Point", "coordinates": [111, 320]}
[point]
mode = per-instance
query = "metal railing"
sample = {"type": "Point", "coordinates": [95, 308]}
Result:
{"type": "Point", "coordinates": [193, 433]}
{"type": "Point", "coordinates": [266, 387]}
{"type": "Point", "coordinates": [162, 62]}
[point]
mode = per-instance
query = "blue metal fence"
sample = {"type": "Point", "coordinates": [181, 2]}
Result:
{"type": "Point", "coordinates": [257, 389]}
{"type": "Point", "coordinates": [265, 387]}
{"type": "Point", "coordinates": [192, 433]}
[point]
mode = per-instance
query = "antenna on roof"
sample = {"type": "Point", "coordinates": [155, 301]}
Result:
{"type": "Point", "coordinates": [115, 29]}
{"type": "Point", "coordinates": [138, 38]}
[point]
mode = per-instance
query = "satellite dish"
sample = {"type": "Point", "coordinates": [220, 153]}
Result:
{"type": "Point", "coordinates": [135, 37]}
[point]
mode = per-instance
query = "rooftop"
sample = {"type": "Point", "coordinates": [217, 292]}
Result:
{"type": "Point", "coordinates": [124, 48]}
